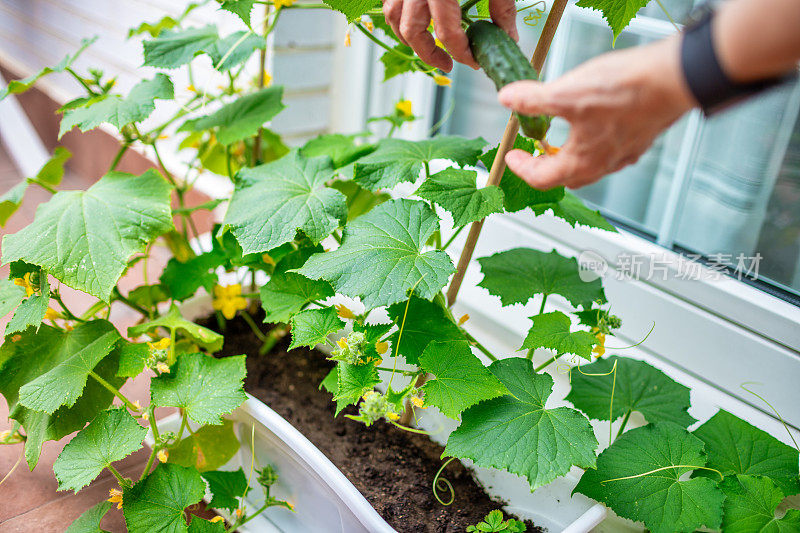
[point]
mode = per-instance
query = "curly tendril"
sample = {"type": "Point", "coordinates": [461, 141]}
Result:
{"type": "Point", "coordinates": [445, 485]}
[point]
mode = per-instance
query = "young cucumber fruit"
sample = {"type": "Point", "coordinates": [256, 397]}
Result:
{"type": "Point", "coordinates": [504, 63]}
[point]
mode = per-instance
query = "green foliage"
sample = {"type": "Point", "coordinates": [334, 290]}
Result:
{"type": "Point", "coordinates": [654, 458]}
{"type": "Point", "coordinates": [750, 504]}
{"type": "Point", "coordinates": [618, 13]}
{"type": "Point", "coordinates": [342, 149]}
{"type": "Point", "coordinates": [352, 382]}
{"type": "Point", "coordinates": [312, 327]}
{"type": "Point", "coordinates": [574, 212]}
{"type": "Point", "coordinates": [31, 310]}
{"type": "Point", "coordinates": [89, 522]}
{"type": "Point", "coordinates": [293, 191]}
{"type": "Point", "coordinates": [11, 200]}
{"type": "Point", "coordinates": [493, 522]}
{"type": "Point", "coordinates": [207, 449]}
{"type": "Point", "coordinates": [226, 488]}
{"type": "Point", "coordinates": [398, 61]}
{"type": "Point", "coordinates": [173, 322]}
{"type": "Point", "coordinates": [552, 331]}
{"type": "Point", "coordinates": [456, 191]}
{"type": "Point", "coordinates": [353, 9]}
{"type": "Point", "coordinates": [234, 49]}
{"type": "Point", "coordinates": [11, 295]}
{"type": "Point", "coordinates": [181, 279]}
{"type": "Point", "coordinates": [390, 239]}
{"type": "Point", "coordinates": [110, 437]}
{"type": "Point", "coordinates": [637, 386]}
{"type": "Point", "coordinates": [515, 432]}
{"type": "Point", "coordinates": [287, 293]}
{"type": "Point", "coordinates": [173, 48]}
{"type": "Point", "coordinates": [157, 502]}
{"type": "Point", "coordinates": [240, 8]}
{"type": "Point", "coordinates": [77, 236]}
{"type": "Point", "coordinates": [201, 525]}
{"type": "Point", "coordinates": [421, 322]}
{"type": "Point", "coordinates": [460, 381]}
{"type": "Point", "coordinates": [518, 275]}
{"type": "Point", "coordinates": [48, 176]}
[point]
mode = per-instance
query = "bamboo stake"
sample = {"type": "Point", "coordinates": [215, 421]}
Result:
{"type": "Point", "coordinates": [507, 141]}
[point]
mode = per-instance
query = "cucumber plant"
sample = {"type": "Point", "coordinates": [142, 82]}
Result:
{"type": "Point", "coordinates": [317, 221]}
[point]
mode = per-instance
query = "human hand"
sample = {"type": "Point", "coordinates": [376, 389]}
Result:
{"type": "Point", "coordinates": [616, 105]}
{"type": "Point", "coordinates": [410, 19]}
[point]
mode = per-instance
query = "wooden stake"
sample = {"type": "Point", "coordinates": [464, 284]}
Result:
{"type": "Point", "coordinates": [509, 135]}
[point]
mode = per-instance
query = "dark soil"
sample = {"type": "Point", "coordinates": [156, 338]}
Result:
{"type": "Point", "coordinates": [393, 469]}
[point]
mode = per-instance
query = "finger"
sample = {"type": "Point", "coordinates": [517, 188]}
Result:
{"type": "Point", "coordinates": [504, 14]}
{"type": "Point", "coordinates": [543, 172]}
{"type": "Point", "coordinates": [533, 98]}
{"type": "Point", "coordinates": [414, 28]}
{"type": "Point", "coordinates": [447, 25]}
{"type": "Point", "coordinates": [392, 11]}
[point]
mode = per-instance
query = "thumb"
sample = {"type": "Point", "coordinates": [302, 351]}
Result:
{"type": "Point", "coordinates": [530, 98]}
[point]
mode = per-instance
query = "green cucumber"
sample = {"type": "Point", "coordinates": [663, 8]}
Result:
{"type": "Point", "coordinates": [502, 60]}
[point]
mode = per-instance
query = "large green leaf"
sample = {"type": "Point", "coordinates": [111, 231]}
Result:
{"type": "Point", "coordinates": [456, 191]}
{"type": "Point", "coordinates": [735, 447]}
{"type": "Point", "coordinates": [234, 49]}
{"type": "Point", "coordinates": [517, 194]}
{"type": "Point", "coordinates": [201, 525]}
{"type": "Point", "coordinates": [156, 504]}
{"type": "Point", "coordinates": [353, 381]}
{"type": "Point", "coordinates": [460, 381]}
{"type": "Point", "coordinates": [171, 49]}
{"type": "Point", "coordinates": [359, 199]}
{"type": "Point", "coordinates": [208, 448]}
{"type": "Point", "coordinates": [11, 295]}
{"type": "Point", "coordinates": [182, 279]}
{"type": "Point", "coordinates": [637, 386]}
{"type": "Point", "coordinates": [50, 174]}
{"type": "Point", "coordinates": [352, 9]}
{"type": "Point", "coordinates": [273, 202]}
{"type": "Point", "coordinates": [174, 322]}
{"type": "Point", "coordinates": [389, 240]}
{"type": "Point", "coordinates": [89, 522]}
{"type": "Point", "coordinates": [35, 354]}
{"type": "Point", "coordinates": [618, 13]}
{"type": "Point", "coordinates": [242, 117]}
{"type": "Point", "coordinates": [552, 331]}
{"type": "Point", "coordinates": [658, 455]}
{"type": "Point", "coordinates": [342, 149]}
{"type": "Point", "coordinates": [205, 387]}
{"type": "Point", "coordinates": [31, 310]}
{"type": "Point", "coordinates": [110, 437]}
{"type": "Point", "coordinates": [287, 293]}
{"type": "Point", "coordinates": [240, 8]}
{"type": "Point", "coordinates": [226, 487]}
{"type": "Point", "coordinates": [11, 200]}
{"type": "Point", "coordinates": [750, 503]}
{"type": "Point", "coordinates": [394, 63]}
{"type": "Point", "coordinates": [517, 433]}
{"type": "Point", "coordinates": [397, 160]}
{"type": "Point", "coordinates": [574, 212]}
{"type": "Point", "coordinates": [116, 110]}
{"type": "Point", "coordinates": [85, 238]}
{"type": "Point", "coordinates": [518, 275]}
{"type": "Point", "coordinates": [312, 327]}
{"type": "Point", "coordinates": [421, 321]}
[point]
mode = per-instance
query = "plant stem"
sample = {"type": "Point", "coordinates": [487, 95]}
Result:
{"type": "Point", "coordinates": [116, 295]}
{"type": "Point", "coordinates": [69, 315]}
{"type": "Point", "coordinates": [545, 364]}
{"type": "Point", "coordinates": [120, 479]}
{"type": "Point", "coordinates": [480, 346]}
{"type": "Point", "coordinates": [120, 153]}
{"type": "Point", "coordinates": [452, 238]}
{"type": "Point", "coordinates": [238, 524]}
{"type": "Point", "coordinates": [262, 62]}
{"type": "Point", "coordinates": [81, 81]}
{"type": "Point", "coordinates": [115, 391]}
{"type": "Point", "coordinates": [383, 45]}
{"type": "Point", "coordinates": [544, 301]}
{"type": "Point", "coordinates": [43, 185]}
{"type": "Point", "coordinates": [257, 332]}
{"type": "Point", "coordinates": [408, 412]}
{"type": "Point", "coordinates": [624, 423]}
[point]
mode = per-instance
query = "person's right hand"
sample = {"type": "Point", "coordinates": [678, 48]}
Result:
{"type": "Point", "coordinates": [410, 19]}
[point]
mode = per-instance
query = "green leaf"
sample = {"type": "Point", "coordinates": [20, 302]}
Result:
{"type": "Point", "coordinates": [226, 487]}
{"type": "Point", "coordinates": [240, 8]}
{"type": "Point", "coordinates": [516, 433]}
{"type": "Point", "coordinates": [208, 448]}
{"type": "Point", "coordinates": [618, 13]}
{"type": "Point", "coordinates": [750, 504]}
{"type": "Point", "coordinates": [201, 525]}
{"type": "Point", "coordinates": [395, 64]}
{"type": "Point", "coordinates": [132, 358]}
{"type": "Point", "coordinates": [85, 238]}
{"type": "Point", "coordinates": [352, 382]}
{"type": "Point", "coordinates": [518, 275]}
{"type": "Point", "coordinates": [664, 501]}
{"type": "Point", "coordinates": [735, 447]}
{"type": "Point", "coordinates": [171, 49]}
{"type": "Point", "coordinates": [574, 212]}
{"type": "Point", "coordinates": [89, 522]}
{"type": "Point", "coordinates": [110, 437]}
{"type": "Point", "coordinates": [45, 349]}
{"type": "Point", "coordinates": [425, 321]}
{"type": "Point", "coordinates": [156, 503]}
{"type": "Point", "coordinates": [292, 190]}
{"type": "Point", "coordinates": [359, 200]}
{"type": "Point", "coordinates": [461, 379]}
{"type": "Point", "coordinates": [234, 49]}
{"type": "Point", "coordinates": [287, 293]}
{"type": "Point", "coordinates": [342, 149]}
{"type": "Point", "coordinates": [397, 160]}
{"type": "Point", "coordinates": [30, 312]}
{"type": "Point", "coordinates": [552, 331]}
{"type": "Point", "coordinates": [390, 239]}
{"type": "Point", "coordinates": [517, 194]}
{"type": "Point", "coordinates": [173, 321]}
{"type": "Point", "coordinates": [11, 295]}
{"type": "Point", "coordinates": [154, 29]}
{"type": "Point", "coordinates": [60, 374]}
{"type": "Point", "coordinates": [456, 192]}
{"type": "Point", "coordinates": [352, 9]}
{"type": "Point", "coordinates": [116, 110]}
{"type": "Point", "coordinates": [312, 327]}
{"type": "Point", "coordinates": [11, 200]}
{"type": "Point", "coordinates": [242, 117]}
{"type": "Point", "coordinates": [182, 279]}
{"type": "Point", "coordinates": [20, 86]}
{"type": "Point", "coordinates": [205, 387]}
{"type": "Point", "coordinates": [636, 387]}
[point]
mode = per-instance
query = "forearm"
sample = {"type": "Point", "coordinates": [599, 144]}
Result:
{"type": "Point", "coordinates": [757, 39]}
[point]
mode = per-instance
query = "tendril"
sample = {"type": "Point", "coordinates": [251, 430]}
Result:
{"type": "Point", "coordinates": [445, 483]}
{"type": "Point", "coordinates": [410, 430]}
{"type": "Point", "coordinates": [773, 410]}
{"type": "Point", "coordinates": [634, 345]}
{"type": "Point", "coordinates": [694, 467]}
{"type": "Point", "coordinates": [402, 327]}
{"type": "Point", "coordinates": [539, 10]}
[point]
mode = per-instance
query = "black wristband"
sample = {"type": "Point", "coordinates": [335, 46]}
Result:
{"type": "Point", "coordinates": [709, 84]}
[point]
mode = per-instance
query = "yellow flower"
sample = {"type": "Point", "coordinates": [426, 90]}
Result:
{"type": "Point", "coordinates": [444, 81]}
{"type": "Point", "coordinates": [161, 344]}
{"type": "Point", "coordinates": [137, 405]}
{"type": "Point", "coordinates": [369, 25]}
{"type": "Point", "coordinates": [162, 455]}
{"type": "Point", "coordinates": [404, 108]}
{"type": "Point", "coordinates": [228, 300]}
{"type": "Point", "coordinates": [347, 38]}
{"type": "Point", "coordinates": [217, 519]}
{"type": "Point", "coordinates": [115, 496]}
{"type": "Point", "coordinates": [25, 281]}
{"type": "Point", "coordinates": [545, 148]}
{"type": "Point", "coordinates": [239, 512]}
{"type": "Point", "coordinates": [463, 319]}
{"type": "Point", "coordinates": [191, 88]}
{"type": "Point", "coordinates": [344, 312]}
{"type": "Point", "coordinates": [282, 3]}
{"type": "Point", "coordinates": [600, 349]}
{"type": "Point", "coordinates": [268, 259]}
{"type": "Point", "coordinates": [417, 402]}
{"type": "Point", "coordinates": [16, 337]}
{"type": "Point", "coordinates": [162, 367]}
{"type": "Point", "coordinates": [146, 416]}
{"type": "Point", "coordinates": [381, 347]}
{"type": "Point", "coordinates": [267, 79]}
{"type": "Point", "coordinates": [51, 314]}
{"type": "Point", "coordinates": [392, 416]}
{"type": "Point", "coordinates": [342, 343]}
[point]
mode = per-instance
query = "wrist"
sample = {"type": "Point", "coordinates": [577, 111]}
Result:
{"type": "Point", "coordinates": [665, 72]}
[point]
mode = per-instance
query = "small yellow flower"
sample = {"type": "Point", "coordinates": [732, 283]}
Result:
{"type": "Point", "coordinates": [381, 347]}
{"type": "Point", "coordinates": [347, 38]}
{"type": "Point", "coordinates": [16, 338]}
{"type": "Point", "coordinates": [417, 402]}
{"type": "Point", "coordinates": [228, 300]}
{"type": "Point", "coordinates": [463, 319]}
{"type": "Point", "coordinates": [239, 512]}
{"type": "Point", "coordinates": [51, 314]}
{"type": "Point", "coordinates": [162, 137]}
{"type": "Point", "coordinates": [25, 281]}
{"type": "Point", "coordinates": [600, 349]}
{"type": "Point", "coordinates": [162, 367]}
{"type": "Point", "coordinates": [369, 25]}
{"type": "Point", "coordinates": [217, 519]}
{"type": "Point", "coordinates": [113, 83]}
{"type": "Point", "coordinates": [342, 343]}
{"type": "Point", "coordinates": [282, 3]}
{"type": "Point", "coordinates": [162, 455]}
{"type": "Point", "coordinates": [267, 79]}
{"type": "Point", "coordinates": [444, 81]}
{"type": "Point", "coordinates": [268, 259]}
{"type": "Point", "coordinates": [137, 405]}
{"type": "Point", "coordinates": [161, 344]}
{"type": "Point", "coordinates": [344, 312]}
{"type": "Point", "coordinates": [191, 88]}
{"type": "Point", "coordinates": [392, 416]}
{"type": "Point", "coordinates": [115, 496]}
{"type": "Point", "coordinates": [146, 416]}
{"type": "Point", "coordinates": [291, 506]}
{"type": "Point", "coordinates": [404, 108]}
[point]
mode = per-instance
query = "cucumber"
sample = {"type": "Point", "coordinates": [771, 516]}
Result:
{"type": "Point", "coordinates": [502, 60]}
